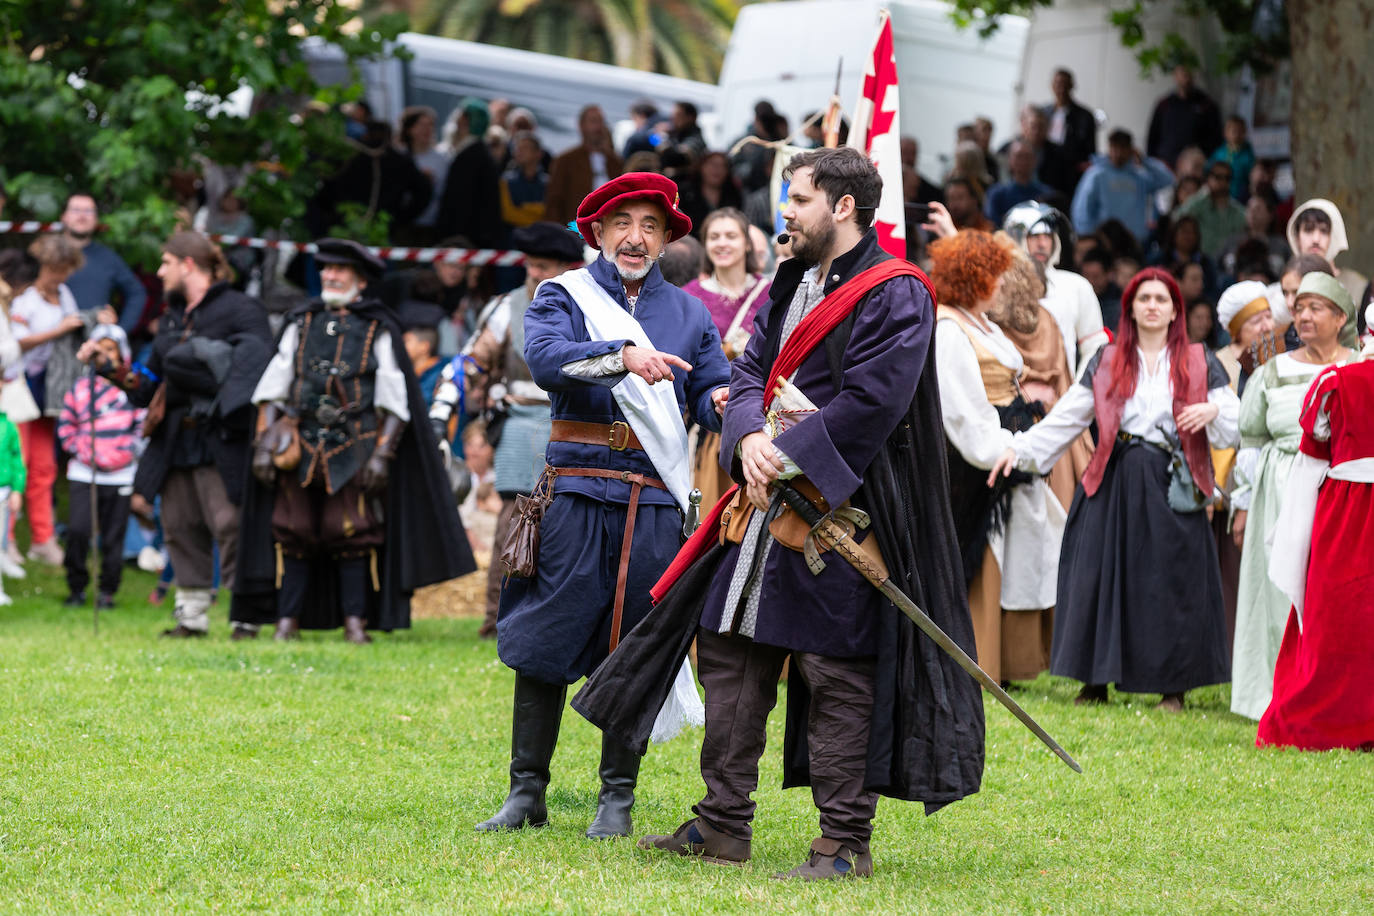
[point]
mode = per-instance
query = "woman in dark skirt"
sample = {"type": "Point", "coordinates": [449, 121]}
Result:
{"type": "Point", "coordinates": [1139, 597]}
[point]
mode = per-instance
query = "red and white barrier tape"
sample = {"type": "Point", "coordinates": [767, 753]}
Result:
{"type": "Point", "coordinates": [30, 226]}
{"type": "Point", "coordinates": [476, 257]}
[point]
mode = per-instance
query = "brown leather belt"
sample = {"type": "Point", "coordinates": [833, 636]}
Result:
{"type": "Point", "coordinates": [637, 482]}
{"type": "Point", "coordinates": [618, 435]}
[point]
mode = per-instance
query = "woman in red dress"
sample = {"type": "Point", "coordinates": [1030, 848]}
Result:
{"type": "Point", "coordinates": [1323, 558]}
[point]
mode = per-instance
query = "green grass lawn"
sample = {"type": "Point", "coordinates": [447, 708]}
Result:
{"type": "Point", "coordinates": [144, 775]}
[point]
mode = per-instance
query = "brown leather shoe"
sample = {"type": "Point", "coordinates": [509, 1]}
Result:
{"type": "Point", "coordinates": [287, 628]}
{"type": "Point", "coordinates": [831, 859]}
{"type": "Point", "coordinates": [698, 838]}
{"type": "Point", "coordinates": [355, 631]}
{"type": "Point", "coordinates": [181, 632]}
{"type": "Point", "coordinates": [1172, 702]}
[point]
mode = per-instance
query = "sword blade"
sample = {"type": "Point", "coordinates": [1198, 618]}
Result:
{"type": "Point", "coordinates": [961, 658]}
{"type": "Point", "coordinates": [845, 547]}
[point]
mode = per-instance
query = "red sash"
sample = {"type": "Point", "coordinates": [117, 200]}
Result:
{"type": "Point", "coordinates": [812, 329]}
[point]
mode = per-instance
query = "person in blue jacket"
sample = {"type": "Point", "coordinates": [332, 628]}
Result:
{"type": "Point", "coordinates": [602, 340]}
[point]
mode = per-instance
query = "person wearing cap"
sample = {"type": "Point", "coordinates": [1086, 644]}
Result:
{"type": "Point", "coordinates": [212, 344]}
{"type": "Point", "coordinates": [341, 523]}
{"type": "Point", "coordinates": [625, 356]}
{"type": "Point", "coordinates": [1068, 296]}
{"type": "Point", "coordinates": [101, 432]}
{"type": "Point", "coordinates": [1316, 227]}
{"type": "Point", "coordinates": [1248, 313]}
{"type": "Point", "coordinates": [491, 376]}
{"type": "Point", "coordinates": [1270, 431]}
{"type": "Point", "coordinates": [471, 202]}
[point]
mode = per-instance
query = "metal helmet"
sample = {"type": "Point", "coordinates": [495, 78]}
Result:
{"type": "Point", "coordinates": [1034, 218]}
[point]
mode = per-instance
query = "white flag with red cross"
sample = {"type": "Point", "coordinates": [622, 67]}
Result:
{"type": "Point", "coordinates": [877, 133]}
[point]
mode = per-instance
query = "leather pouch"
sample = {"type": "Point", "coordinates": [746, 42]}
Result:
{"type": "Point", "coordinates": [734, 520]}
{"type": "Point", "coordinates": [520, 552]}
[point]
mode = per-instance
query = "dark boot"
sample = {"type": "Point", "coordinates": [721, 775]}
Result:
{"type": "Point", "coordinates": [619, 772]}
{"type": "Point", "coordinates": [831, 859]}
{"type": "Point", "coordinates": [287, 628]}
{"type": "Point", "coordinates": [537, 714]}
{"type": "Point", "coordinates": [698, 838]}
{"type": "Point", "coordinates": [295, 582]}
{"type": "Point", "coordinates": [355, 596]}
{"type": "Point", "coordinates": [1091, 694]}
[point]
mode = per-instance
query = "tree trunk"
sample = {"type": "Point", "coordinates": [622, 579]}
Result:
{"type": "Point", "coordinates": [1332, 136]}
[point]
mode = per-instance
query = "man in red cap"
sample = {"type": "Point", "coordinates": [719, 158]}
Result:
{"type": "Point", "coordinates": [625, 357]}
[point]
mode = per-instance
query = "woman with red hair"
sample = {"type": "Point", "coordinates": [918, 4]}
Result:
{"type": "Point", "coordinates": [1008, 535]}
{"type": "Point", "coordinates": [1139, 597]}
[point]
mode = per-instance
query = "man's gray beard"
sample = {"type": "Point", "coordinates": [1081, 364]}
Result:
{"type": "Point", "coordinates": [626, 274]}
{"type": "Point", "coordinates": [337, 297]}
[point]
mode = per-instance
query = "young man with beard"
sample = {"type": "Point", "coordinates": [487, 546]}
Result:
{"type": "Point", "coordinates": [344, 481]}
{"type": "Point", "coordinates": [212, 344]}
{"type": "Point", "coordinates": [625, 357]}
{"type": "Point", "coordinates": [874, 708]}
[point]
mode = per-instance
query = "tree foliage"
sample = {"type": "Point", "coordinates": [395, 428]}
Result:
{"type": "Point", "coordinates": [117, 96]}
{"type": "Point", "coordinates": [1253, 32]}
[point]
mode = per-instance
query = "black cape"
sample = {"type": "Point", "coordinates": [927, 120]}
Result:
{"type": "Point", "coordinates": [425, 541]}
{"type": "Point", "coordinates": [224, 412]}
{"type": "Point", "coordinates": [926, 737]}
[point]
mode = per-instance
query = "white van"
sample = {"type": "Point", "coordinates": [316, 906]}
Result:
{"type": "Point", "coordinates": [442, 71]}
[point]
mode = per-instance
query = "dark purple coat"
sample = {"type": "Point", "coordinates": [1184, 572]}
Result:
{"type": "Point", "coordinates": [836, 612]}
{"type": "Point", "coordinates": [884, 447]}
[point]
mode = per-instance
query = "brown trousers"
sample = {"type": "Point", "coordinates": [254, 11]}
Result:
{"type": "Point", "coordinates": [307, 520]}
{"type": "Point", "coordinates": [197, 514]}
{"type": "Point", "coordinates": [741, 681]}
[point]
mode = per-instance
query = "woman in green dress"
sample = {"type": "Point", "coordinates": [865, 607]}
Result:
{"type": "Point", "coordinates": [1324, 316]}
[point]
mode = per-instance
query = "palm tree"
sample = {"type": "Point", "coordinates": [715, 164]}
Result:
{"type": "Point", "coordinates": [683, 38]}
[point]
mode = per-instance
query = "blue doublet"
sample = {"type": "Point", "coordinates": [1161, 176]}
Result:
{"type": "Point", "coordinates": [555, 627]}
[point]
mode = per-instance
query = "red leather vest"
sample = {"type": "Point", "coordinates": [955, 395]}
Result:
{"type": "Point", "coordinates": [1109, 409]}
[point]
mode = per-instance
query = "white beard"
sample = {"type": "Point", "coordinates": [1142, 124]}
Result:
{"type": "Point", "coordinates": [639, 274]}
{"type": "Point", "coordinates": [339, 296]}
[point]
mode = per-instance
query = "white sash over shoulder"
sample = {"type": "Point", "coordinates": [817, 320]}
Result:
{"type": "Point", "coordinates": [652, 410]}
{"type": "Point", "coordinates": [654, 415]}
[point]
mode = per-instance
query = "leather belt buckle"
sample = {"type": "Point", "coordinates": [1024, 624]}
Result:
{"type": "Point", "coordinates": [619, 436]}
{"type": "Point", "coordinates": [625, 476]}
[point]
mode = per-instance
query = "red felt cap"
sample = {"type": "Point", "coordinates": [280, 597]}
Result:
{"type": "Point", "coordinates": [650, 186]}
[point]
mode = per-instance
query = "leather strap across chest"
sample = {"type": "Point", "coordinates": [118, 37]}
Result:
{"type": "Point", "coordinates": [637, 482]}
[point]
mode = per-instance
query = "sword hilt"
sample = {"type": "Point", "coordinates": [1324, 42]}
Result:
{"type": "Point", "coordinates": [799, 503]}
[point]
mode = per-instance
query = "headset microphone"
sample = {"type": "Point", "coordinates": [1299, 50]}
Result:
{"type": "Point", "coordinates": [783, 238]}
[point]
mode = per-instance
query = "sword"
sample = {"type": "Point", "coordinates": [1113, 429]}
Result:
{"type": "Point", "coordinates": [691, 519]}
{"type": "Point", "coordinates": [833, 533]}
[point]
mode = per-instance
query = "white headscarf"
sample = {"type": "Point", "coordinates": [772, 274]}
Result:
{"type": "Point", "coordinates": [1339, 242]}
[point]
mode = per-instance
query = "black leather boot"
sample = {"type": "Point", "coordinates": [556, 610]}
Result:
{"type": "Point", "coordinates": [295, 582]}
{"type": "Point", "coordinates": [537, 713]}
{"type": "Point", "coordinates": [355, 597]}
{"type": "Point", "coordinates": [619, 772]}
